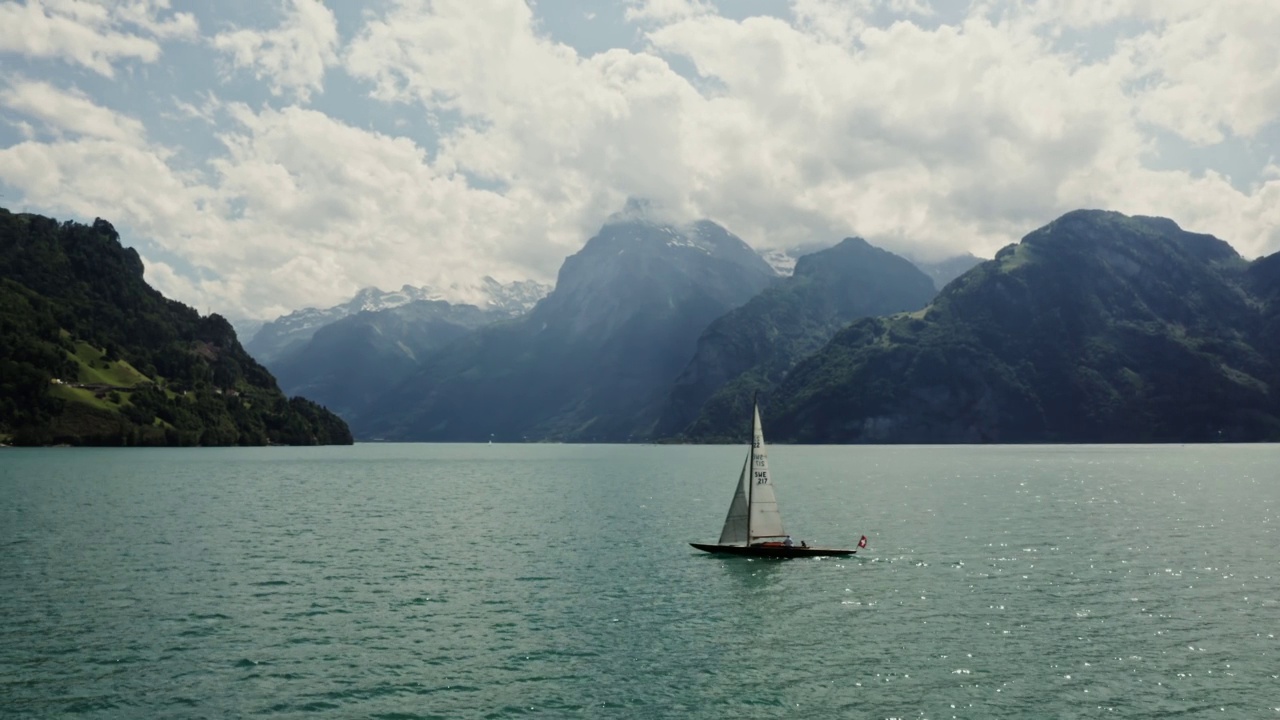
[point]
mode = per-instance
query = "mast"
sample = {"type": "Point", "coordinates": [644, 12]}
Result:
{"type": "Point", "coordinates": [751, 460]}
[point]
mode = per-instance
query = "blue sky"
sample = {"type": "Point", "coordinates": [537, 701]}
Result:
{"type": "Point", "coordinates": [264, 156]}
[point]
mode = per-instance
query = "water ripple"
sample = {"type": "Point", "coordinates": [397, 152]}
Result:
{"type": "Point", "coordinates": [554, 581]}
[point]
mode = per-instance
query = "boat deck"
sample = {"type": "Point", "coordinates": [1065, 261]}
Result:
{"type": "Point", "coordinates": [773, 551]}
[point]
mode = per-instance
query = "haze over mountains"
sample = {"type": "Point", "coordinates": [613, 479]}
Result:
{"type": "Point", "coordinates": [1097, 327]}
{"type": "Point", "coordinates": [276, 338]}
{"type": "Point", "coordinates": [944, 271]}
{"type": "Point", "coordinates": [641, 307]}
{"type": "Point", "coordinates": [348, 363]}
{"type": "Point", "coordinates": [591, 361]}
{"type": "Point", "coordinates": [345, 356]}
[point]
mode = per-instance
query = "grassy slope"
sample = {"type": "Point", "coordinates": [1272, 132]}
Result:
{"type": "Point", "coordinates": [95, 370]}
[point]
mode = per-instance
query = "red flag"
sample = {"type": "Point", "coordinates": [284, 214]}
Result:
{"type": "Point", "coordinates": [863, 542]}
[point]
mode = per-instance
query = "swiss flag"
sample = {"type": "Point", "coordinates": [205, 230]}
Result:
{"type": "Point", "coordinates": [863, 542]}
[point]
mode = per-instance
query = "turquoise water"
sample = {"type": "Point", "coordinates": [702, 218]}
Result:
{"type": "Point", "coordinates": [461, 581]}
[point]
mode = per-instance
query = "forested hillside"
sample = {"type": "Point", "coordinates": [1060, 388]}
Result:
{"type": "Point", "coordinates": [91, 354]}
{"type": "Point", "coordinates": [1096, 328]}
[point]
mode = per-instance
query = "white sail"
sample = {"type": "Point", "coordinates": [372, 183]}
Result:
{"type": "Point", "coordinates": [765, 521]}
{"type": "Point", "coordinates": [754, 525]}
{"type": "Point", "coordinates": [735, 524]}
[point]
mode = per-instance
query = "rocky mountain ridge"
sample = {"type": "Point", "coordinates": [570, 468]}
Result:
{"type": "Point", "coordinates": [592, 361]}
{"type": "Point", "coordinates": [752, 348]}
{"type": "Point", "coordinates": [275, 338]}
{"type": "Point", "coordinates": [350, 362]}
{"type": "Point", "coordinates": [1095, 328]}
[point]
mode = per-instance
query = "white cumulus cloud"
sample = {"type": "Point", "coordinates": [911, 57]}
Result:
{"type": "Point", "coordinates": [292, 57]}
{"type": "Point", "coordinates": [70, 111]}
{"type": "Point", "coordinates": [94, 35]}
{"type": "Point", "coordinates": [928, 128]}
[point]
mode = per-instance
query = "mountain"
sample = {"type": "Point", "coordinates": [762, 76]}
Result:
{"type": "Point", "coordinates": [276, 338]}
{"type": "Point", "coordinates": [948, 269]}
{"type": "Point", "coordinates": [593, 360]}
{"type": "Point", "coordinates": [754, 346]}
{"type": "Point", "coordinates": [1264, 284]}
{"type": "Point", "coordinates": [91, 354]}
{"type": "Point", "coordinates": [1096, 328]}
{"type": "Point", "coordinates": [352, 361]}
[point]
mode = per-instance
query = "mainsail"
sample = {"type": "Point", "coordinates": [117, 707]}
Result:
{"type": "Point", "coordinates": [764, 520]}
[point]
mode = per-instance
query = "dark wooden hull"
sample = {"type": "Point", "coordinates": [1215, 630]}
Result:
{"type": "Point", "coordinates": [773, 551]}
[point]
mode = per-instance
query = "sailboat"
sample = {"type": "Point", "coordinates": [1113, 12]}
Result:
{"type": "Point", "coordinates": [754, 525]}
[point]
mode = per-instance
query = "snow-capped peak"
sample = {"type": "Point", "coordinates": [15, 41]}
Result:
{"type": "Point", "coordinates": [512, 299]}
{"type": "Point", "coordinates": [783, 260]}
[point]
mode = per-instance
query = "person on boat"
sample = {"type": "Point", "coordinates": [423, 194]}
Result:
{"type": "Point", "coordinates": [787, 542]}
{"type": "Point", "coordinates": [804, 543]}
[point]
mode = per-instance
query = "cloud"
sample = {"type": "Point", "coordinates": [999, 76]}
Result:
{"type": "Point", "coordinates": [114, 179]}
{"type": "Point", "coordinates": [911, 136]}
{"type": "Point", "coordinates": [926, 131]}
{"type": "Point", "coordinates": [933, 140]}
{"type": "Point", "coordinates": [574, 136]}
{"type": "Point", "coordinates": [792, 137]}
{"type": "Point", "coordinates": [1211, 71]}
{"type": "Point", "coordinates": [93, 35]}
{"type": "Point", "coordinates": [300, 209]}
{"type": "Point", "coordinates": [70, 111]}
{"type": "Point", "coordinates": [667, 10]}
{"type": "Point", "coordinates": [146, 14]}
{"type": "Point", "coordinates": [842, 21]}
{"type": "Point", "coordinates": [291, 57]}
{"type": "Point", "coordinates": [1198, 70]}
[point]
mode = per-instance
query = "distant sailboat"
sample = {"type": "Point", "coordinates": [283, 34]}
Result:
{"type": "Point", "coordinates": [754, 525]}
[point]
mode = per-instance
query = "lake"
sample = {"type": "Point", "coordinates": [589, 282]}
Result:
{"type": "Point", "coordinates": [496, 581]}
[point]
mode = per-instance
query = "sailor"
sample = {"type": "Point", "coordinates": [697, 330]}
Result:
{"type": "Point", "coordinates": [788, 542]}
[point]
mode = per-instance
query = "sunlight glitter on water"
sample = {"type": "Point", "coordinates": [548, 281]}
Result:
{"type": "Point", "coordinates": [554, 582]}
